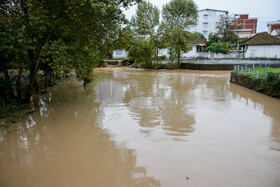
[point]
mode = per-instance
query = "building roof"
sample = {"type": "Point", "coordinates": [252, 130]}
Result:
{"type": "Point", "coordinates": [275, 32]}
{"type": "Point", "coordinates": [208, 9]}
{"type": "Point", "coordinates": [273, 23]}
{"type": "Point", "coordinates": [262, 38]}
{"type": "Point", "coordinates": [198, 40]}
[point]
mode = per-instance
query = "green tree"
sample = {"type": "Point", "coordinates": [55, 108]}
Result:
{"type": "Point", "coordinates": [63, 34]}
{"type": "Point", "coordinates": [224, 32]}
{"type": "Point", "coordinates": [144, 24]}
{"type": "Point", "coordinates": [146, 19]}
{"type": "Point", "coordinates": [219, 47]}
{"type": "Point", "coordinates": [178, 16]}
{"type": "Point", "coordinates": [141, 51]}
{"type": "Point", "coordinates": [213, 38]}
{"type": "Point", "coordinates": [200, 35]}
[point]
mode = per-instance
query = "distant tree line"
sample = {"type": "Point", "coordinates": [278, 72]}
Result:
{"type": "Point", "coordinates": [150, 34]}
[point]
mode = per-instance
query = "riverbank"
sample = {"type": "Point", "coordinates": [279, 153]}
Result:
{"type": "Point", "coordinates": [265, 86]}
{"type": "Point", "coordinates": [224, 64]}
{"type": "Point", "coordinates": [14, 108]}
{"type": "Point", "coordinates": [137, 127]}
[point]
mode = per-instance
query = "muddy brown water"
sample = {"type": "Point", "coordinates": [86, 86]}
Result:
{"type": "Point", "coordinates": [145, 128]}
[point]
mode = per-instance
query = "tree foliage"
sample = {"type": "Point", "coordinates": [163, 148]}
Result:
{"type": "Point", "coordinates": [224, 32]}
{"type": "Point", "coordinates": [147, 39]}
{"type": "Point", "coordinates": [219, 47]}
{"type": "Point", "coordinates": [146, 19]}
{"type": "Point", "coordinates": [141, 51]}
{"type": "Point", "coordinates": [178, 16]}
{"type": "Point", "coordinates": [55, 36]}
{"type": "Point", "coordinates": [200, 35]}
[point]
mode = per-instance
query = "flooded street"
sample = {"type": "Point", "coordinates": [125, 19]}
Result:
{"type": "Point", "coordinates": [145, 128]}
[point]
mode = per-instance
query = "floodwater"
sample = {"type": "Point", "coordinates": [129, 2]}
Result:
{"type": "Point", "coordinates": [145, 128]}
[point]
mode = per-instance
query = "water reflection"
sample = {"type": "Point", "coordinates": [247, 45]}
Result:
{"type": "Point", "coordinates": [67, 147]}
{"type": "Point", "coordinates": [268, 105]}
{"type": "Point", "coordinates": [145, 128]}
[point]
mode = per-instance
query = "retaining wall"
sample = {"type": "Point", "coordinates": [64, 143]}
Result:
{"type": "Point", "coordinates": [206, 66]}
{"type": "Point", "coordinates": [260, 85]}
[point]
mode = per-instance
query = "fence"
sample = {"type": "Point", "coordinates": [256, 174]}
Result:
{"type": "Point", "coordinates": [259, 71]}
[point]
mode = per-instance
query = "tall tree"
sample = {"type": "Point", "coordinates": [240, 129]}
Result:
{"type": "Point", "coordinates": [145, 24]}
{"type": "Point", "coordinates": [37, 30]}
{"type": "Point", "coordinates": [146, 19]}
{"type": "Point", "coordinates": [224, 32]}
{"type": "Point", "coordinates": [178, 16]}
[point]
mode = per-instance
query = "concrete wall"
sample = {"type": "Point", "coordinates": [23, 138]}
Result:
{"type": "Point", "coordinates": [260, 85]}
{"type": "Point", "coordinates": [120, 54]}
{"type": "Point", "coordinates": [194, 54]}
{"type": "Point", "coordinates": [268, 51]}
{"type": "Point", "coordinates": [191, 54]}
{"type": "Point", "coordinates": [231, 54]}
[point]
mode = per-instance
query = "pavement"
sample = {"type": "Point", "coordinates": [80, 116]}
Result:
{"type": "Point", "coordinates": [232, 61]}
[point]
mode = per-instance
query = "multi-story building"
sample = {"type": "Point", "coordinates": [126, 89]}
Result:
{"type": "Point", "coordinates": [207, 20]}
{"type": "Point", "coordinates": [274, 27]}
{"type": "Point", "coordinates": [244, 26]}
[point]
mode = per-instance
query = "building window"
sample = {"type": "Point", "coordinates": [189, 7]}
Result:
{"type": "Point", "coordinates": [205, 16]}
{"type": "Point", "coordinates": [118, 52]}
{"type": "Point", "coordinates": [205, 25]}
{"type": "Point", "coordinates": [205, 33]}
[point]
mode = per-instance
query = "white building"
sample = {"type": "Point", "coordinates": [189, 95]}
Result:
{"type": "Point", "coordinates": [273, 25]}
{"type": "Point", "coordinates": [120, 54]}
{"type": "Point", "coordinates": [262, 45]}
{"type": "Point", "coordinates": [207, 20]}
{"type": "Point", "coordinates": [197, 46]}
{"type": "Point", "coordinates": [276, 33]}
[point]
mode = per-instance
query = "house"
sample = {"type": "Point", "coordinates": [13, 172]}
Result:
{"type": "Point", "coordinates": [120, 54]}
{"type": "Point", "coordinates": [244, 26]}
{"type": "Point", "coordinates": [262, 45]}
{"type": "Point", "coordinates": [276, 33]}
{"type": "Point", "coordinates": [273, 25]}
{"type": "Point", "coordinates": [197, 46]}
{"type": "Point", "coordinates": [207, 20]}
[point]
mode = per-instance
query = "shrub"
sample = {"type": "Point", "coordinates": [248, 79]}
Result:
{"type": "Point", "coordinates": [162, 57]}
{"type": "Point", "coordinates": [273, 77]}
{"type": "Point", "coordinates": [219, 47]}
{"type": "Point", "coordinates": [141, 51]}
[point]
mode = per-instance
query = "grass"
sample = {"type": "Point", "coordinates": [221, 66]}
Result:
{"type": "Point", "coordinates": [273, 70]}
{"type": "Point", "coordinates": [255, 70]}
{"type": "Point", "coordinates": [268, 74]}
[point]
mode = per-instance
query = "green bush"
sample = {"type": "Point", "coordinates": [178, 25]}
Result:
{"type": "Point", "coordinates": [273, 77]}
{"type": "Point", "coordinates": [219, 47]}
{"type": "Point", "coordinates": [7, 109]}
{"type": "Point", "coordinates": [162, 57]}
{"type": "Point", "coordinates": [141, 51]}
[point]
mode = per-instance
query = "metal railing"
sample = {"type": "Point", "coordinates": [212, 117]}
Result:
{"type": "Point", "coordinates": [255, 71]}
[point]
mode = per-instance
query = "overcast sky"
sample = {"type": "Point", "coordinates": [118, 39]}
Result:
{"type": "Point", "coordinates": [264, 10]}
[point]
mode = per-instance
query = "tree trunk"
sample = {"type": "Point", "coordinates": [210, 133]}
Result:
{"type": "Point", "coordinates": [178, 61]}
{"type": "Point", "coordinates": [157, 56]}
{"type": "Point", "coordinates": [34, 67]}
{"type": "Point", "coordinates": [19, 93]}
{"type": "Point", "coordinates": [8, 89]}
